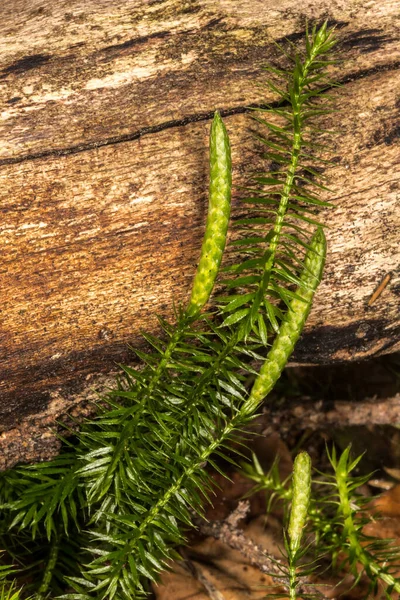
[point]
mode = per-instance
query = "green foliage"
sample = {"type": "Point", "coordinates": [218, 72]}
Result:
{"type": "Point", "coordinates": [9, 592]}
{"type": "Point", "coordinates": [34, 493]}
{"type": "Point", "coordinates": [105, 516]}
{"type": "Point", "coordinates": [8, 589]}
{"type": "Point", "coordinates": [273, 241]}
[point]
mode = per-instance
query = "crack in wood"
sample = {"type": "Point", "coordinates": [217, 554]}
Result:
{"type": "Point", "coordinates": [194, 118]}
{"type": "Point", "coordinates": [129, 137]}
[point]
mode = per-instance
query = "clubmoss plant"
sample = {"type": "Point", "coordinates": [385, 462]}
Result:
{"type": "Point", "coordinates": [8, 589]}
{"type": "Point", "coordinates": [335, 521]}
{"type": "Point", "coordinates": [104, 517]}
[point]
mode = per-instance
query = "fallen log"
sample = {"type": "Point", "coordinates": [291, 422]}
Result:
{"type": "Point", "coordinates": [103, 167]}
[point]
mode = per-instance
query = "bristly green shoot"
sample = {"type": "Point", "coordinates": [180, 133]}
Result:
{"type": "Point", "coordinates": [8, 588]}
{"type": "Point", "coordinates": [211, 255]}
{"type": "Point", "coordinates": [270, 482]}
{"type": "Point", "coordinates": [285, 199]}
{"type": "Point", "coordinates": [297, 494]}
{"type": "Point", "coordinates": [377, 558]}
{"type": "Point", "coordinates": [125, 492]}
{"type": "Point", "coordinates": [9, 592]}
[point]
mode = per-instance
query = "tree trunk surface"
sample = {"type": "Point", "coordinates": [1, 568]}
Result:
{"type": "Point", "coordinates": [106, 109]}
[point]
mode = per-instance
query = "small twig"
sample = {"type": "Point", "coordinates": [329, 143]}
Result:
{"type": "Point", "coordinates": [227, 532]}
{"type": "Point", "coordinates": [235, 538]}
{"type": "Point", "coordinates": [240, 512]}
{"type": "Point", "coordinates": [383, 284]}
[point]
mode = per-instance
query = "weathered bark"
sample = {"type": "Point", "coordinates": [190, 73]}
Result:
{"type": "Point", "coordinates": [103, 166]}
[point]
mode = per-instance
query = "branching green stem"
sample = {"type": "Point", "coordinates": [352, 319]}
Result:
{"type": "Point", "coordinates": [299, 78]}
{"type": "Point", "coordinates": [211, 255]}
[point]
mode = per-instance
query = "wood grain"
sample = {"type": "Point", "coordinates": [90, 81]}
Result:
{"type": "Point", "coordinates": [103, 169]}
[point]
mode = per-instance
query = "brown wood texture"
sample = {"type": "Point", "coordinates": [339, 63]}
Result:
{"type": "Point", "coordinates": [105, 112]}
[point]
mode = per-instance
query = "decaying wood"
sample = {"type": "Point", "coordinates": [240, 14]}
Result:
{"type": "Point", "coordinates": [103, 167]}
{"type": "Point", "coordinates": [321, 415]}
{"type": "Point", "coordinates": [33, 436]}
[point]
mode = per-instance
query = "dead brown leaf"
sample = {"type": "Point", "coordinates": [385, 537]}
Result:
{"type": "Point", "coordinates": [388, 503]}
